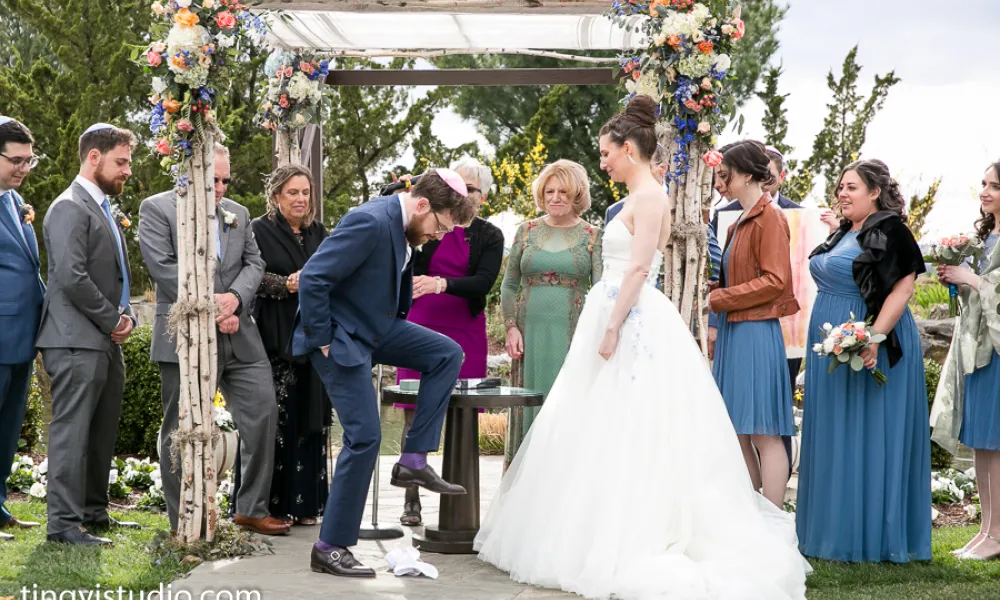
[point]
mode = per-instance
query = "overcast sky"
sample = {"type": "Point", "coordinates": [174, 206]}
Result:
{"type": "Point", "coordinates": [942, 119]}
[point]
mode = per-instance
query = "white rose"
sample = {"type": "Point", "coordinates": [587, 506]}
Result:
{"type": "Point", "coordinates": [697, 37]}
{"type": "Point", "coordinates": [723, 62]}
{"type": "Point", "coordinates": [159, 85]}
{"type": "Point", "coordinates": [37, 490]}
{"type": "Point", "coordinates": [183, 3]}
{"type": "Point", "coordinates": [849, 342]}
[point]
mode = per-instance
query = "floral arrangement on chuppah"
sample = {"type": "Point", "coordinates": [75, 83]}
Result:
{"type": "Point", "coordinates": [292, 97]}
{"type": "Point", "coordinates": [685, 68]}
{"type": "Point", "coordinates": [193, 42]}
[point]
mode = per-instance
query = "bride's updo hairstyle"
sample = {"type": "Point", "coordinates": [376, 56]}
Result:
{"type": "Point", "coordinates": [636, 123]}
{"type": "Point", "coordinates": [747, 157]}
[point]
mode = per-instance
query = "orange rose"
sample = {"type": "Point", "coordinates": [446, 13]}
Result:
{"type": "Point", "coordinates": [185, 18]}
{"type": "Point", "coordinates": [705, 47]}
{"type": "Point", "coordinates": [636, 74]}
{"type": "Point", "coordinates": [171, 106]}
{"type": "Point", "coordinates": [674, 41]}
{"type": "Point", "coordinates": [655, 3]}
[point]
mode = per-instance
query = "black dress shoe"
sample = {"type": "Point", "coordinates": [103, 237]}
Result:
{"type": "Point", "coordinates": [338, 562]}
{"type": "Point", "coordinates": [5, 536]}
{"type": "Point", "coordinates": [111, 522]}
{"type": "Point", "coordinates": [426, 478]}
{"type": "Point", "coordinates": [78, 537]}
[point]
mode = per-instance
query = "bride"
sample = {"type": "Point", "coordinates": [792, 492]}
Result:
{"type": "Point", "coordinates": [631, 482]}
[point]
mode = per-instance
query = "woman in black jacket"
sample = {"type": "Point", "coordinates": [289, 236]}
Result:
{"type": "Point", "coordinates": [287, 236]}
{"type": "Point", "coordinates": [451, 279]}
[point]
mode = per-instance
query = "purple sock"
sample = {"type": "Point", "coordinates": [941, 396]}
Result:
{"type": "Point", "coordinates": [413, 460]}
{"type": "Point", "coordinates": [324, 547]}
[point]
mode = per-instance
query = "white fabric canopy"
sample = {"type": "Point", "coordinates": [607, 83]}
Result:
{"type": "Point", "coordinates": [332, 30]}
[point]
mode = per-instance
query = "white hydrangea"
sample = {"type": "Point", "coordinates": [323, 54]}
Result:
{"type": "Point", "coordinates": [301, 88]}
{"type": "Point", "coordinates": [679, 23]}
{"type": "Point", "coordinates": [647, 85]}
{"type": "Point", "coordinates": [159, 85]}
{"type": "Point", "coordinates": [38, 490]}
{"type": "Point", "coordinates": [700, 12]}
{"type": "Point", "coordinates": [696, 66]}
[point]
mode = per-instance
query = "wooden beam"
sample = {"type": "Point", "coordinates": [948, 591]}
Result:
{"type": "Point", "coordinates": [546, 7]}
{"type": "Point", "coordinates": [474, 77]}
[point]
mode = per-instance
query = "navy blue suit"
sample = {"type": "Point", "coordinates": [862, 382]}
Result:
{"type": "Point", "coordinates": [21, 295]}
{"type": "Point", "coordinates": [354, 293]}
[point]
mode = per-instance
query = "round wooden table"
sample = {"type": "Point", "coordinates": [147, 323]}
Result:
{"type": "Point", "coordinates": [458, 520]}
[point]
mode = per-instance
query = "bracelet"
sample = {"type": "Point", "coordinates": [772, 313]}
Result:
{"type": "Point", "coordinates": [438, 280]}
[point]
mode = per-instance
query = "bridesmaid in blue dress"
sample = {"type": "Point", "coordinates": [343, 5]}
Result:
{"type": "Point", "coordinates": [750, 367]}
{"type": "Point", "coordinates": [864, 476]}
{"type": "Point", "coordinates": [967, 404]}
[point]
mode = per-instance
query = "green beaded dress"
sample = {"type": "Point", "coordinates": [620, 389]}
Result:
{"type": "Point", "coordinates": [549, 271]}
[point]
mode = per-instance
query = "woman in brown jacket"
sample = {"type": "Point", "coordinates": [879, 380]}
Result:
{"type": "Point", "coordinates": [755, 290]}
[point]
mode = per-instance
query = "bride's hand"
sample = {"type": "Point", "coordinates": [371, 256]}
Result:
{"type": "Point", "coordinates": [610, 344]}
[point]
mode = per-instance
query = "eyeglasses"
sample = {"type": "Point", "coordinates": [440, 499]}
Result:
{"type": "Point", "coordinates": [20, 162]}
{"type": "Point", "coordinates": [441, 228]}
{"type": "Point", "coordinates": [223, 181]}
{"type": "Point", "coordinates": [473, 189]}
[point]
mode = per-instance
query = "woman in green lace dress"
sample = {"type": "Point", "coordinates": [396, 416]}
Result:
{"type": "Point", "coordinates": [553, 262]}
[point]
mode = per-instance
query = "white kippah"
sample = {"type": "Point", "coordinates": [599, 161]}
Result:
{"type": "Point", "coordinates": [98, 127]}
{"type": "Point", "coordinates": [4, 120]}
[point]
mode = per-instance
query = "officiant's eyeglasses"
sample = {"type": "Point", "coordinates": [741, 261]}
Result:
{"type": "Point", "coordinates": [20, 162]}
{"type": "Point", "coordinates": [224, 181]}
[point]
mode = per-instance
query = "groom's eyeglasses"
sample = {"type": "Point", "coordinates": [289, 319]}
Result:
{"type": "Point", "coordinates": [20, 162]}
{"type": "Point", "coordinates": [223, 181]}
{"type": "Point", "coordinates": [441, 228]}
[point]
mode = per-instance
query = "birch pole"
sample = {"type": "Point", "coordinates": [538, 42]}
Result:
{"type": "Point", "coordinates": [288, 147]}
{"type": "Point", "coordinates": [193, 316]}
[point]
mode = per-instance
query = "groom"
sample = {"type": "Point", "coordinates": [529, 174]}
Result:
{"type": "Point", "coordinates": [354, 294]}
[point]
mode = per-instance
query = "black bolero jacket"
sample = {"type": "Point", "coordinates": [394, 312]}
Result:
{"type": "Point", "coordinates": [888, 254]}
{"type": "Point", "coordinates": [485, 258]}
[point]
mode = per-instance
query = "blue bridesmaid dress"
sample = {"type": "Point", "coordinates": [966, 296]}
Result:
{"type": "Point", "coordinates": [751, 370]}
{"type": "Point", "coordinates": [864, 475]}
{"type": "Point", "coordinates": [981, 409]}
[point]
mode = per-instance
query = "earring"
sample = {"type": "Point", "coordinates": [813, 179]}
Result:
{"type": "Point", "coordinates": [631, 160]}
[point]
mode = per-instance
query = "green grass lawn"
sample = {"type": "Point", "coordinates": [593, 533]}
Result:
{"type": "Point", "coordinates": [127, 563]}
{"type": "Point", "coordinates": [944, 578]}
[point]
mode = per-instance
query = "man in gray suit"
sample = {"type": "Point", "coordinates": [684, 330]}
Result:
{"type": "Point", "coordinates": [86, 317]}
{"type": "Point", "coordinates": [244, 370]}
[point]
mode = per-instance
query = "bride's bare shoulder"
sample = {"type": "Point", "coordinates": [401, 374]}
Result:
{"type": "Point", "coordinates": [650, 198]}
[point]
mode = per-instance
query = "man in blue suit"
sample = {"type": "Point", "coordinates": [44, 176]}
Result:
{"type": "Point", "coordinates": [354, 294]}
{"type": "Point", "coordinates": [21, 296]}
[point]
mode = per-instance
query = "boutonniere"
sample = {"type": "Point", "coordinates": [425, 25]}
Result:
{"type": "Point", "coordinates": [229, 219]}
{"type": "Point", "coordinates": [120, 217]}
{"type": "Point", "coordinates": [27, 214]}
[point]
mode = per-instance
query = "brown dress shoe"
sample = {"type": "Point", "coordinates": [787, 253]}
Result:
{"type": "Point", "coordinates": [15, 523]}
{"type": "Point", "coordinates": [265, 526]}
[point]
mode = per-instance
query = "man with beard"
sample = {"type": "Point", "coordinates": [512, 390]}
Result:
{"type": "Point", "coordinates": [85, 319]}
{"type": "Point", "coordinates": [354, 293]}
{"type": "Point", "coordinates": [21, 294]}
{"type": "Point", "coordinates": [244, 369]}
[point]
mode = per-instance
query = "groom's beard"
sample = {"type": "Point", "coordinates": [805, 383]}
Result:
{"type": "Point", "coordinates": [110, 186]}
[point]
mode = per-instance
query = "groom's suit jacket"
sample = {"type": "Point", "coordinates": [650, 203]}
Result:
{"type": "Point", "coordinates": [241, 269]}
{"type": "Point", "coordinates": [85, 276]}
{"type": "Point", "coordinates": [356, 284]}
{"type": "Point", "coordinates": [21, 289]}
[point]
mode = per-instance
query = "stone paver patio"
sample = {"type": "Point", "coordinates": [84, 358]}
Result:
{"type": "Point", "coordinates": [286, 574]}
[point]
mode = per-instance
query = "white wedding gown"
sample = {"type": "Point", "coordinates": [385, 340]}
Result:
{"type": "Point", "coordinates": [631, 482]}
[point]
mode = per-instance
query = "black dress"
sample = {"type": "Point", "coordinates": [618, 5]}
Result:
{"type": "Point", "coordinates": [299, 485]}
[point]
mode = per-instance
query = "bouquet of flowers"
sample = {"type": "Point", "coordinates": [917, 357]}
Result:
{"type": "Point", "coordinates": [293, 91]}
{"type": "Point", "coordinates": [191, 45]}
{"type": "Point", "coordinates": [685, 66]}
{"type": "Point", "coordinates": [953, 251]}
{"type": "Point", "coordinates": [845, 343]}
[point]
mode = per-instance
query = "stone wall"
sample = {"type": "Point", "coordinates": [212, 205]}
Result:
{"type": "Point", "coordinates": [935, 337]}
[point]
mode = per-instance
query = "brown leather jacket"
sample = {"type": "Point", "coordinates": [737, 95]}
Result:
{"type": "Point", "coordinates": [759, 286]}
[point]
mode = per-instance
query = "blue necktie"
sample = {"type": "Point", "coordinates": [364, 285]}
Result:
{"type": "Point", "coordinates": [126, 295]}
{"type": "Point", "coordinates": [8, 202]}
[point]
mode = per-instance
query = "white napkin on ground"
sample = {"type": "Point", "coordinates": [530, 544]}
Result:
{"type": "Point", "coordinates": [406, 561]}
